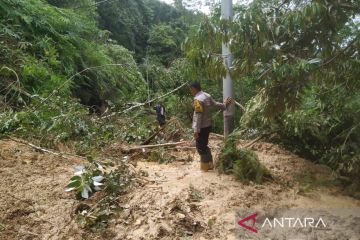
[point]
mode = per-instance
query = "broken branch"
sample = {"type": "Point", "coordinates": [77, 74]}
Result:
{"type": "Point", "coordinates": [60, 154]}
{"type": "Point", "coordinates": [155, 146]}
{"type": "Point", "coordinates": [217, 135]}
{"type": "Point", "coordinates": [147, 102]}
{"type": "Point", "coordinates": [252, 142]}
{"type": "Point", "coordinates": [239, 105]}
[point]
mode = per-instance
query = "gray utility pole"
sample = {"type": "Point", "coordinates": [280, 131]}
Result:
{"type": "Point", "coordinates": [146, 62]}
{"type": "Point", "coordinates": [229, 114]}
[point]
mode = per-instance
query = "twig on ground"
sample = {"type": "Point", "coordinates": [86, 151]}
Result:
{"type": "Point", "coordinates": [252, 142]}
{"type": "Point", "coordinates": [217, 135]}
{"type": "Point", "coordinates": [155, 146]}
{"type": "Point", "coordinates": [147, 141]}
{"type": "Point", "coordinates": [60, 154]}
{"type": "Point", "coordinates": [183, 148]}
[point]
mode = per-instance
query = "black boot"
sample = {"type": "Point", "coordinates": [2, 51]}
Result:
{"type": "Point", "coordinates": [206, 162]}
{"type": "Point", "coordinates": [210, 159]}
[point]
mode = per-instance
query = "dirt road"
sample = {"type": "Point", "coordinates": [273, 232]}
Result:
{"type": "Point", "coordinates": [180, 201]}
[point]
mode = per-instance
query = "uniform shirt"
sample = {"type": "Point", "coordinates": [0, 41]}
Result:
{"type": "Point", "coordinates": [160, 110]}
{"type": "Point", "coordinates": [160, 114]}
{"type": "Point", "coordinates": [202, 104]}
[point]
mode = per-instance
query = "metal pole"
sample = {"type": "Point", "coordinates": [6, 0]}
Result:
{"type": "Point", "coordinates": [147, 76]}
{"type": "Point", "coordinates": [229, 114]}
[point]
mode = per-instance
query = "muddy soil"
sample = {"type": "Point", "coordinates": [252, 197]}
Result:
{"type": "Point", "coordinates": [33, 204]}
{"type": "Point", "coordinates": [179, 201]}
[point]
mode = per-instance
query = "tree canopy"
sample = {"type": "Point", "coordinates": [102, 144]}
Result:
{"type": "Point", "coordinates": [302, 60]}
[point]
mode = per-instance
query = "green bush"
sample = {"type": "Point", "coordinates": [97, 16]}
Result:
{"type": "Point", "coordinates": [243, 163]}
{"type": "Point", "coordinates": [324, 128]}
{"type": "Point", "coordinates": [248, 168]}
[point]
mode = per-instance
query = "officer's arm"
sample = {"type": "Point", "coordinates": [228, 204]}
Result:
{"type": "Point", "coordinates": [219, 105]}
{"type": "Point", "coordinates": [199, 109]}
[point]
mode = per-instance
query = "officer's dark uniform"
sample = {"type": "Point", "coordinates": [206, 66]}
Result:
{"type": "Point", "coordinates": [202, 123]}
{"type": "Point", "coordinates": [160, 114]}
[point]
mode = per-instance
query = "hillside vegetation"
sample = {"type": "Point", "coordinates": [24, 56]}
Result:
{"type": "Point", "coordinates": [298, 64]}
{"type": "Point", "coordinates": [70, 71]}
{"type": "Point", "coordinates": [78, 84]}
{"type": "Point", "coordinates": [296, 67]}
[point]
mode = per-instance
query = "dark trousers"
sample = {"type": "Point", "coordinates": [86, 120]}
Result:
{"type": "Point", "coordinates": [203, 140]}
{"type": "Point", "coordinates": [161, 120]}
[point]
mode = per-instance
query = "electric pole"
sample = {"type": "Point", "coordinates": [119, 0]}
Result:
{"type": "Point", "coordinates": [229, 114]}
{"type": "Point", "coordinates": [146, 62]}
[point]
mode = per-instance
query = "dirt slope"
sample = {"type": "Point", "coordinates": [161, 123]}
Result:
{"type": "Point", "coordinates": [180, 201]}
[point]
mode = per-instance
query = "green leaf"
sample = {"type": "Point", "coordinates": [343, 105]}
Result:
{"type": "Point", "coordinates": [74, 184]}
{"type": "Point", "coordinates": [75, 178]}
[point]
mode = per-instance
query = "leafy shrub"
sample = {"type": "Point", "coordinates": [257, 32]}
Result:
{"type": "Point", "coordinates": [87, 179]}
{"type": "Point", "coordinates": [247, 167]}
{"type": "Point", "coordinates": [243, 163]}
{"type": "Point", "coordinates": [100, 176]}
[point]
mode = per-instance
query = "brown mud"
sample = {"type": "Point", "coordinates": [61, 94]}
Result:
{"type": "Point", "coordinates": [179, 202]}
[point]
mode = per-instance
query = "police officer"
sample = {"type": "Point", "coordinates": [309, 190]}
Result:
{"type": "Point", "coordinates": [160, 114]}
{"type": "Point", "coordinates": [202, 123]}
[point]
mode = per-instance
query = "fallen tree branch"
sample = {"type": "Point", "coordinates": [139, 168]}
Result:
{"type": "Point", "coordinates": [183, 148]}
{"type": "Point", "coordinates": [340, 52]}
{"type": "Point", "coordinates": [252, 142]}
{"type": "Point", "coordinates": [217, 135]}
{"type": "Point", "coordinates": [60, 154]}
{"type": "Point", "coordinates": [147, 141]}
{"type": "Point", "coordinates": [239, 105]}
{"type": "Point", "coordinates": [155, 146]}
{"type": "Point", "coordinates": [157, 98]}
{"type": "Point", "coordinates": [147, 102]}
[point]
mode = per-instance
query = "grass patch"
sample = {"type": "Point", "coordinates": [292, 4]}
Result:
{"type": "Point", "coordinates": [195, 194]}
{"type": "Point", "coordinates": [160, 155]}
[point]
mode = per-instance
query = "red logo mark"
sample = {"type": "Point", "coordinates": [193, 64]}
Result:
{"type": "Point", "coordinates": [251, 217]}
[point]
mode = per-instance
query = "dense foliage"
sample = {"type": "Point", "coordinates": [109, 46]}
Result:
{"type": "Point", "coordinates": [60, 49]}
{"type": "Point", "coordinates": [53, 53]}
{"type": "Point", "coordinates": [149, 28]}
{"type": "Point", "coordinates": [300, 59]}
{"type": "Point", "coordinates": [296, 67]}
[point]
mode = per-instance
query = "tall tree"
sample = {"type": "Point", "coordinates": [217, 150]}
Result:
{"type": "Point", "coordinates": [128, 21]}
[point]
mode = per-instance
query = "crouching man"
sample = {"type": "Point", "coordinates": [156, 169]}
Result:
{"type": "Point", "coordinates": [202, 123]}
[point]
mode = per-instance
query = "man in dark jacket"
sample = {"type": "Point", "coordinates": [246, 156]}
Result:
{"type": "Point", "coordinates": [160, 114]}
